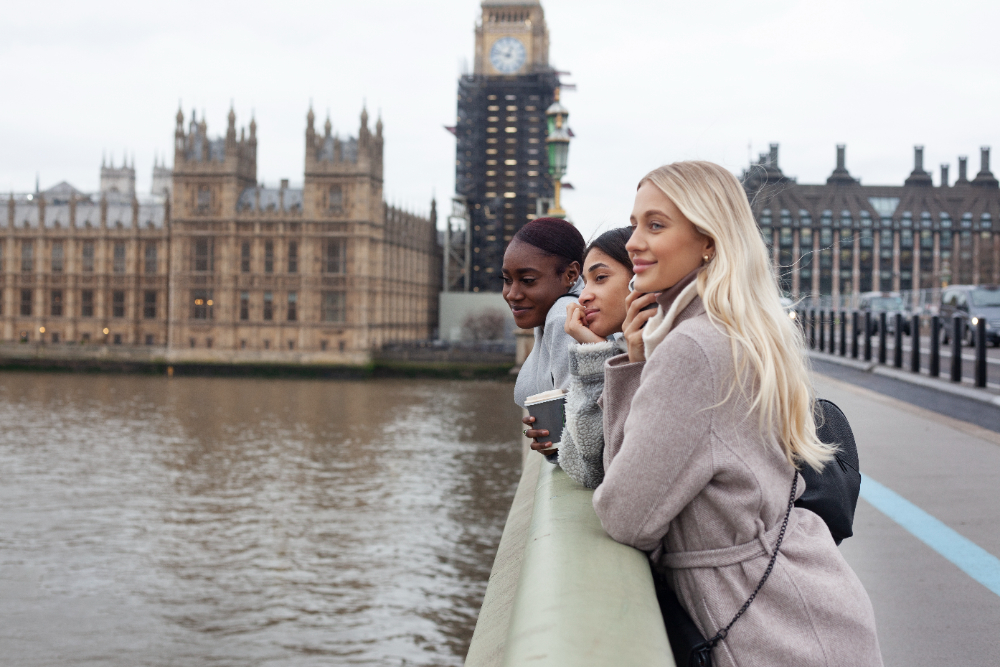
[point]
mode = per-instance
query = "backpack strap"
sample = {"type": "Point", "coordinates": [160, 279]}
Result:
{"type": "Point", "coordinates": [701, 653]}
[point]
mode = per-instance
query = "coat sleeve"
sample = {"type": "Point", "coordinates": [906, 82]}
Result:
{"type": "Point", "coordinates": [621, 380]}
{"type": "Point", "coordinates": [665, 458]}
{"type": "Point", "coordinates": [582, 446]}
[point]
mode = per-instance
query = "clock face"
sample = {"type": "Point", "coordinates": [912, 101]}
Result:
{"type": "Point", "coordinates": [507, 55]}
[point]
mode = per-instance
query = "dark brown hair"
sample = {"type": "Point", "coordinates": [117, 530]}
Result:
{"type": "Point", "coordinates": [612, 243]}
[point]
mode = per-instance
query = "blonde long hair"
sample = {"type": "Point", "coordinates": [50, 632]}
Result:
{"type": "Point", "coordinates": [740, 292]}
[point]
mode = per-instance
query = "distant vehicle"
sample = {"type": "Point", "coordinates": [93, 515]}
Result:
{"type": "Point", "coordinates": [889, 303]}
{"type": "Point", "coordinates": [789, 307]}
{"type": "Point", "coordinates": [971, 303]}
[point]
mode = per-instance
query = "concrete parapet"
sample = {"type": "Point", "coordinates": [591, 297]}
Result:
{"type": "Point", "coordinates": [580, 598]}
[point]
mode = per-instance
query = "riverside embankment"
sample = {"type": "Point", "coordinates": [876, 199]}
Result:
{"type": "Point", "coordinates": [415, 361]}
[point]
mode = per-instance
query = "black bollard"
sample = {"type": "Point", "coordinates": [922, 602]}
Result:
{"type": "Point", "coordinates": [822, 330]}
{"type": "Point", "coordinates": [980, 352]}
{"type": "Point", "coordinates": [854, 334]}
{"type": "Point", "coordinates": [915, 344]}
{"type": "Point", "coordinates": [881, 337]}
{"type": "Point", "coordinates": [843, 333]}
{"type": "Point", "coordinates": [957, 333]}
{"type": "Point", "coordinates": [897, 341]}
{"type": "Point", "coordinates": [812, 329]}
{"type": "Point", "coordinates": [832, 347]}
{"type": "Point", "coordinates": [868, 335]}
{"type": "Point", "coordinates": [935, 361]}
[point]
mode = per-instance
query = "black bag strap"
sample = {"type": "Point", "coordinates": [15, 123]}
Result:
{"type": "Point", "coordinates": [701, 653]}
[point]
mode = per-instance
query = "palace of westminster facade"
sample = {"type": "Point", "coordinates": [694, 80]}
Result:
{"type": "Point", "coordinates": [215, 267]}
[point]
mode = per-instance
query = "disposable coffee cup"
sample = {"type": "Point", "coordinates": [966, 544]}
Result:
{"type": "Point", "coordinates": [549, 411]}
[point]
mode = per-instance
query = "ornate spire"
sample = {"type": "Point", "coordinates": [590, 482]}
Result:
{"type": "Point", "coordinates": [364, 117]}
{"type": "Point", "coordinates": [327, 126]}
{"type": "Point", "coordinates": [378, 125]}
{"type": "Point", "coordinates": [310, 117]}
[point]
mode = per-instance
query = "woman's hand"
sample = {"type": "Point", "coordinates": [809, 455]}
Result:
{"type": "Point", "coordinates": [535, 434]}
{"type": "Point", "coordinates": [576, 325]}
{"type": "Point", "coordinates": [635, 320]}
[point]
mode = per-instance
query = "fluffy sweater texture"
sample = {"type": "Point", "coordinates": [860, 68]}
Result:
{"type": "Point", "coordinates": [581, 451]}
{"type": "Point", "coordinates": [547, 367]}
{"type": "Point", "coordinates": [692, 480]}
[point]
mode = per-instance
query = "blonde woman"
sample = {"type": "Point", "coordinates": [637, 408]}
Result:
{"type": "Point", "coordinates": [707, 417]}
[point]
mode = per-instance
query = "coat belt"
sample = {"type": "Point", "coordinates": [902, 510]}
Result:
{"type": "Point", "coordinates": [761, 545]}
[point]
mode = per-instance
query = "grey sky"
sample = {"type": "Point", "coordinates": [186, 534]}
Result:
{"type": "Point", "coordinates": [657, 82]}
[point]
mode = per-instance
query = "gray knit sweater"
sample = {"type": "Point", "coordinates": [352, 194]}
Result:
{"type": "Point", "coordinates": [581, 452]}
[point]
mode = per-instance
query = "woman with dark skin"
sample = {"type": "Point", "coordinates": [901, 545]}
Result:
{"type": "Point", "coordinates": [541, 275]}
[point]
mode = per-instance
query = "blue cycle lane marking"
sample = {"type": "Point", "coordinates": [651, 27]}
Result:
{"type": "Point", "coordinates": [968, 556]}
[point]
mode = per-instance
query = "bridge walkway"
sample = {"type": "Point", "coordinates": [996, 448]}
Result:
{"type": "Point", "coordinates": [929, 610]}
{"type": "Point", "coordinates": [926, 544]}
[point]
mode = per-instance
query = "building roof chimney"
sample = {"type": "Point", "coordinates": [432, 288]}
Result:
{"type": "Point", "coordinates": [985, 177]}
{"type": "Point", "coordinates": [944, 176]}
{"type": "Point", "coordinates": [840, 175]}
{"type": "Point", "coordinates": [918, 176]}
{"type": "Point", "coordinates": [963, 178]}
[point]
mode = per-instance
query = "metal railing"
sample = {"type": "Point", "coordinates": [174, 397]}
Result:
{"type": "Point", "coordinates": [838, 332]}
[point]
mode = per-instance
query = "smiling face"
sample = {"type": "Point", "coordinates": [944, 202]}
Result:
{"type": "Point", "coordinates": [665, 245]}
{"type": "Point", "coordinates": [532, 282]}
{"type": "Point", "coordinates": [603, 299]}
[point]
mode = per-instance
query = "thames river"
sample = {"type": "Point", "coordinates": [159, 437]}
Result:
{"type": "Point", "coordinates": [211, 521]}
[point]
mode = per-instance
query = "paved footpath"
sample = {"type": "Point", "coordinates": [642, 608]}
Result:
{"type": "Point", "coordinates": [930, 611]}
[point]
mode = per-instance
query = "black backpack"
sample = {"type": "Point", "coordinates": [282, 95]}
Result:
{"type": "Point", "coordinates": [833, 492]}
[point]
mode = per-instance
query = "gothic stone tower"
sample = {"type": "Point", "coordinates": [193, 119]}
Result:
{"type": "Point", "coordinates": [501, 165]}
{"type": "Point", "coordinates": [323, 274]}
{"type": "Point", "coordinates": [208, 177]}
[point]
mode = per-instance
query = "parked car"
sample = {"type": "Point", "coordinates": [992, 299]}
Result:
{"type": "Point", "coordinates": [971, 303]}
{"type": "Point", "coordinates": [889, 303]}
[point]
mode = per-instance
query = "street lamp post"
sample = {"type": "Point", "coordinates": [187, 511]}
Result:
{"type": "Point", "coordinates": [557, 142]}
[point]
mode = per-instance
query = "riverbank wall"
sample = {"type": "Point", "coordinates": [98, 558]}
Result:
{"type": "Point", "coordinates": [155, 360]}
{"type": "Point", "coordinates": [561, 591]}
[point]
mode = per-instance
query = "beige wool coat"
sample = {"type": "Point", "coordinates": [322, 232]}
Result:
{"type": "Point", "coordinates": [696, 485]}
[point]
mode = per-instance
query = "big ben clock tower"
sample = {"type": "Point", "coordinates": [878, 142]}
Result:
{"type": "Point", "coordinates": [501, 163]}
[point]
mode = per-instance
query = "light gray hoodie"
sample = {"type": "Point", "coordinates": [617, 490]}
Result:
{"type": "Point", "coordinates": [547, 367]}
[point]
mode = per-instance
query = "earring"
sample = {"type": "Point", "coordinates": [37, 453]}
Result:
{"type": "Point", "coordinates": [706, 258]}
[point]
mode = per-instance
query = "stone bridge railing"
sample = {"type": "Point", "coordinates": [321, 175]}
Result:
{"type": "Point", "coordinates": [561, 591]}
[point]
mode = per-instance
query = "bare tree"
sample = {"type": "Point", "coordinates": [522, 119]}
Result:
{"type": "Point", "coordinates": [485, 324]}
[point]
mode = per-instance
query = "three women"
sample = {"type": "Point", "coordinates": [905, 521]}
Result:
{"type": "Point", "coordinates": [706, 419]}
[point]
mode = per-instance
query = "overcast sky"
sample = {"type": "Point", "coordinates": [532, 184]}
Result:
{"type": "Point", "coordinates": [657, 81]}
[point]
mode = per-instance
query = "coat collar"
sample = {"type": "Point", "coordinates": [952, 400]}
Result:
{"type": "Point", "coordinates": [672, 303]}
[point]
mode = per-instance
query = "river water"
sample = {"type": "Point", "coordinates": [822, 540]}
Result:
{"type": "Point", "coordinates": [216, 522]}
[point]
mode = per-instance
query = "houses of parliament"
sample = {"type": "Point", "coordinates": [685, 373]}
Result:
{"type": "Point", "coordinates": [215, 267]}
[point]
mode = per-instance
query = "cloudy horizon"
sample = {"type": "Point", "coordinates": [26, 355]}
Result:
{"type": "Point", "coordinates": [657, 82]}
